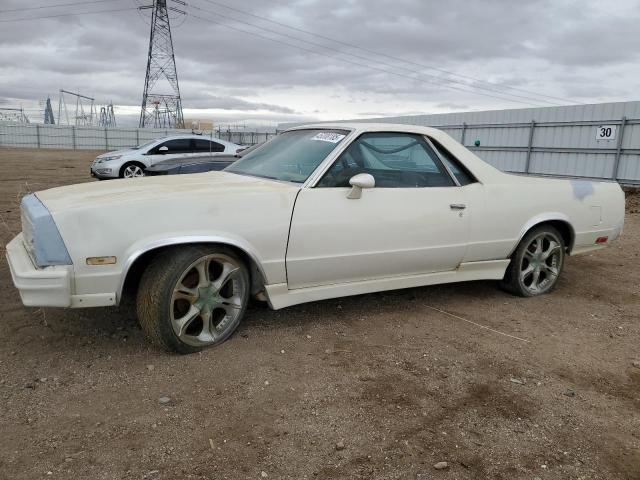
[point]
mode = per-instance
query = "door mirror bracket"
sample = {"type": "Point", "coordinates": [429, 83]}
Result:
{"type": "Point", "coordinates": [358, 182]}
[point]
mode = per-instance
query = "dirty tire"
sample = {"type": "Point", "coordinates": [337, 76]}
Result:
{"type": "Point", "coordinates": [547, 260]}
{"type": "Point", "coordinates": [159, 282]}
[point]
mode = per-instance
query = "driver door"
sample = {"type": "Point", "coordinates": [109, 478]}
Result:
{"type": "Point", "coordinates": [412, 222]}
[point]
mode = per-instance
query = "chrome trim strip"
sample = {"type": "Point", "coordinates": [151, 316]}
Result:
{"type": "Point", "coordinates": [444, 164]}
{"type": "Point", "coordinates": [325, 165]}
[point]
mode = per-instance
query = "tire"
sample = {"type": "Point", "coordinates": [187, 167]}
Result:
{"type": "Point", "coordinates": [193, 297]}
{"type": "Point", "coordinates": [132, 170]}
{"type": "Point", "coordinates": [536, 263]}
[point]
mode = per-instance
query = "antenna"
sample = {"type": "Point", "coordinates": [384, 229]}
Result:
{"type": "Point", "coordinates": [161, 103]}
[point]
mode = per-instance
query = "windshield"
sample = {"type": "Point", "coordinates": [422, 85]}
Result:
{"type": "Point", "coordinates": [291, 156]}
{"type": "Point", "coordinates": [144, 145]}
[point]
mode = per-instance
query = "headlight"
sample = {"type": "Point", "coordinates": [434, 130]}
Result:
{"type": "Point", "coordinates": [41, 236]}
{"type": "Point", "coordinates": [107, 159]}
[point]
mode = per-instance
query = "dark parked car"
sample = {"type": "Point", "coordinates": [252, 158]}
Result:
{"type": "Point", "coordinates": [178, 166]}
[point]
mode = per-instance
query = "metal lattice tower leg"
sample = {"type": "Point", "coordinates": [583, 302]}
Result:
{"type": "Point", "coordinates": [161, 104]}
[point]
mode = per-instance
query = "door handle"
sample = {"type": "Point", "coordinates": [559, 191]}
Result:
{"type": "Point", "coordinates": [457, 206]}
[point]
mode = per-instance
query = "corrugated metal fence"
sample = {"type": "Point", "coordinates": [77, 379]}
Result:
{"type": "Point", "coordinates": [557, 148]}
{"type": "Point", "coordinates": [98, 138]}
{"type": "Point", "coordinates": [590, 141]}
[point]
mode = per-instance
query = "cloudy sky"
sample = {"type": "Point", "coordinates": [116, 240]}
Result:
{"type": "Point", "coordinates": [367, 57]}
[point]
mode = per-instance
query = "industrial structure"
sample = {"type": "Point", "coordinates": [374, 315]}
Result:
{"type": "Point", "coordinates": [84, 113]}
{"type": "Point", "coordinates": [107, 116]}
{"type": "Point", "coordinates": [48, 113]}
{"type": "Point", "coordinates": [161, 103]}
{"type": "Point", "coordinates": [13, 115]}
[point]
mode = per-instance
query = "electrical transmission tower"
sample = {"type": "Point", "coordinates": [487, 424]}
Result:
{"type": "Point", "coordinates": [161, 104]}
{"type": "Point", "coordinates": [80, 117]}
{"type": "Point", "coordinates": [48, 113]}
{"type": "Point", "coordinates": [107, 117]}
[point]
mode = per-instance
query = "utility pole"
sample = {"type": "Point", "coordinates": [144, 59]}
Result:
{"type": "Point", "coordinates": [161, 103]}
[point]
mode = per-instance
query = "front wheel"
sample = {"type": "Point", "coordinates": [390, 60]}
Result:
{"type": "Point", "coordinates": [193, 297]}
{"type": "Point", "coordinates": [537, 263]}
{"type": "Point", "coordinates": [132, 170]}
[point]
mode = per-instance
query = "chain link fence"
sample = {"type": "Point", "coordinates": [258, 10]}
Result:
{"type": "Point", "coordinates": [99, 138]}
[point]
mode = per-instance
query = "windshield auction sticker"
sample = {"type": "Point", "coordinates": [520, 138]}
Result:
{"type": "Point", "coordinates": [328, 137]}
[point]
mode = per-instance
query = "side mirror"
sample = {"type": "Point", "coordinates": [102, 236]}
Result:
{"type": "Point", "coordinates": [163, 149]}
{"type": "Point", "coordinates": [358, 182]}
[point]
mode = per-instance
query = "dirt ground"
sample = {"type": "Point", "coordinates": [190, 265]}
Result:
{"type": "Point", "coordinates": [377, 386]}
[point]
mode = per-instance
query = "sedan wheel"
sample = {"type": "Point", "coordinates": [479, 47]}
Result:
{"type": "Point", "coordinates": [193, 298]}
{"type": "Point", "coordinates": [131, 171]}
{"type": "Point", "coordinates": [536, 263]}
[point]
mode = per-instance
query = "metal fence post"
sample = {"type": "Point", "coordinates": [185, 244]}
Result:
{"type": "Point", "coordinates": [106, 139]}
{"type": "Point", "coordinates": [616, 163]}
{"type": "Point", "coordinates": [464, 132]}
{"type": "Point", "coordinates": [73, 136]}
{"type": "Point", "coordinates": [38, 134]}
{"type": "Point", "coordinates": [530, 146]}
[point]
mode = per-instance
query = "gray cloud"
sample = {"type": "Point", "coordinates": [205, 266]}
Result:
{"type": "Point", "coordinates": [586, 51]}
{"type": "Point", "coordinates": [231, 103]}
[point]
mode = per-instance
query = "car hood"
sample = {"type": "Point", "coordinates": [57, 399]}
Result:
{"type": "Point", "coordinates": [125, 151]}
{"type": "Point", "coordinates": [153, 190]}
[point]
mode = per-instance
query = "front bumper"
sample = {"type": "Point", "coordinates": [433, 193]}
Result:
{"type": "Point", "coordinates": [103, 173]}
{"type": "Point", "coordinates": [38, 287]}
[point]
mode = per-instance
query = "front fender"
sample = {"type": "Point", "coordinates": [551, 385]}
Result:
{"type": "Point", "coordinates": [143, 246]}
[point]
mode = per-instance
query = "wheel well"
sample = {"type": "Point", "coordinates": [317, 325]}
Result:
{"type": "Point", "coordinates": [565, 229]}
{"type": "Point", "coordinates": [132, 162]}
{"type": "Point", "coordinates": [140, 264]}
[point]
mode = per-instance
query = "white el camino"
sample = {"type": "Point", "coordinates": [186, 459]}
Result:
{"type": "Point", "coordinates": [318, 212]}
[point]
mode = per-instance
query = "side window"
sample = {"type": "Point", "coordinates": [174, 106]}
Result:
{"type": "Point", "coordinates": [217, 147]}
{"type": "Point", "coordinates": [461, 173]}
{"type": "Point", "coordinates": [179, 145]}
{"type": "Point", "coordinates": [395, 160]}
{"type": "Point", "coordinates": [203, 145]}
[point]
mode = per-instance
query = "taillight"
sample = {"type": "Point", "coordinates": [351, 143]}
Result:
{"type": "Point", "coordinates": [602, 240]}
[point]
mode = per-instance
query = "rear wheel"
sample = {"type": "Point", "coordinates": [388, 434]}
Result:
{"type": "Point", "coordinates": [132, 170]}
{"type": "Point", "coordinates": [537, 263]}
{"type": "Point", "coordinates": [193, 297]}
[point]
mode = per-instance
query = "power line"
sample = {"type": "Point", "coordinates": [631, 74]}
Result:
{"type": "Point", "coordinates": [54, 6]}
{"type": "Point", "coordinates": [315, 52]}
{"type": "Point", "coordinates": [67, 15]}
{"type": "Point", "coordinates": [351, 45]}
{"type": "Point", "coordinates": [437, 81]}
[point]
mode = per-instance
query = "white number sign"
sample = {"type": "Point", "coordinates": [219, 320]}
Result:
{"type": "Point", "coordinates": [606, 132]}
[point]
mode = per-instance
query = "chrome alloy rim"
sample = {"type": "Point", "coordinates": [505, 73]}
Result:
{"type": "Point", "coordinates": [207, 300]}
{"type": "Point", "coordinates": [541, 263]}
{"type": "Point", "coordinates": [133, 171]}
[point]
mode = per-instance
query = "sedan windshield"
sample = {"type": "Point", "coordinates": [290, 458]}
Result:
{"type": "Point", "coordinates": [291, 156]}
{"type": "Point", "coordinates": [143, 145]}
